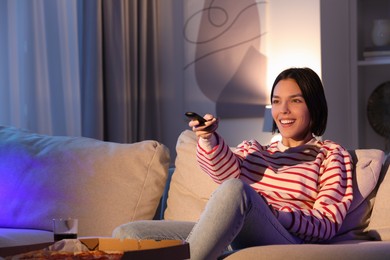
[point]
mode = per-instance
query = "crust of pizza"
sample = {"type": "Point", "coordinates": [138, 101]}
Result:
{"type": "Point", "coordinates": [51, 255]}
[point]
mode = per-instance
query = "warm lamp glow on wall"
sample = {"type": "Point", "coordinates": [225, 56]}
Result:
{"type": "Point", "coordinates": [268, 121]}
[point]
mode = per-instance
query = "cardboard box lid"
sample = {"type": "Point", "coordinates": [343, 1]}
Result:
{"type": "Point", "coordinates": [109, 244]}
{"type": "Point", "coordinates": [140, 249]}
{"type": "Point", "coordinates": [178, 252]}
{"type": "Point", "coordinates": [116, 244]}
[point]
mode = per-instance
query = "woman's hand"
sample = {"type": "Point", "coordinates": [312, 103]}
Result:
{"type": "Point", "coordinates": [205, 131]}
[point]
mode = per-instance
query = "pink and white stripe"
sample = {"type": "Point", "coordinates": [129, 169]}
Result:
{"type": "Point", "coordinates": [310, 186]}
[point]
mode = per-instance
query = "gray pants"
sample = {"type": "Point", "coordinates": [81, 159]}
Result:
{"type": "Point", "coordinates": [235, 215]}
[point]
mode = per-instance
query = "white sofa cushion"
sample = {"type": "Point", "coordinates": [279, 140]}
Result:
{"type": "Point", "coordinates": [379, 227]}
{"type": "Point", "coordinates": [367, 168]}
{"type": "Point", "coordinates": [190, 187]}
{"type": "Point", "coordinates": [357, 250]}
{"type": "Point", "coordinates": [102, 184]}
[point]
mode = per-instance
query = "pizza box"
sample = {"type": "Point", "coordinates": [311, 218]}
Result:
{"type": "Point", "coordinates": [133, 249]}
{"type": "Point", "coordinates": [140, 249]}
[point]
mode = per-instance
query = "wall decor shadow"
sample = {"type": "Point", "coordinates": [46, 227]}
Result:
{"type": "Point", "coordinates": [223, 60]}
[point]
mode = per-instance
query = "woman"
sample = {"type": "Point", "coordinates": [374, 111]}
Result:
{"type": "Point", "coordinates": [297, 190]}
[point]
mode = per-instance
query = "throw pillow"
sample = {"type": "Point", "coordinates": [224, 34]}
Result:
{"type": "Point", "coordinates": [366, 173]}
{"type": "Point", "coordinates": [190, 187]}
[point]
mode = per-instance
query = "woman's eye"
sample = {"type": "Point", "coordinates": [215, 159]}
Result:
{"type": "Point", "coordinates": [275, 101]}
{"type": "Point", "coordinates": [297, 101]}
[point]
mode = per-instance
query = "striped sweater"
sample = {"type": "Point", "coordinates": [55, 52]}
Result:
{"type": "Point", "coordinates": [309, 186]}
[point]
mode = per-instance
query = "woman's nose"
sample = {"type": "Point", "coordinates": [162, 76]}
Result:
{"type": "Point", "coordinates": [284, 108]}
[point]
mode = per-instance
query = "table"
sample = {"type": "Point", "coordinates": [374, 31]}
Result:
{"type": "Point", "coordinates": [133, 249]}
{"type": "Point", "coordinates": [14, 250]}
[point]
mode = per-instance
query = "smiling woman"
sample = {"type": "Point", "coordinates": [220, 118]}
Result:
{"type": "Point", "coordinates": [293, 191]}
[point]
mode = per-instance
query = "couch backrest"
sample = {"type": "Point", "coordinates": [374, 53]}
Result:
{"type": "Point", "coordinates": [191, 187]}
{"type": "Point", "coordinates": [366, 175]}
{"type": "Point", "coordinates": [102, 184]}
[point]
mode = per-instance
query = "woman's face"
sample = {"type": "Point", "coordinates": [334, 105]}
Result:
{"type": "Point", "coordinates": [290, 112]}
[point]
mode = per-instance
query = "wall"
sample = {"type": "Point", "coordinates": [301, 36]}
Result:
{"type": "Point", "coordinates": [336, 47]}
{"type": "Point", "coordinates": [293, 39]}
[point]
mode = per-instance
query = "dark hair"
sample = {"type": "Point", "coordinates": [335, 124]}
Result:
{"type": "Point", "coordinates": [313, 94]}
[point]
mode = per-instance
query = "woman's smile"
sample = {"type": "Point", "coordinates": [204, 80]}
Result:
{"type": "Point", "coordinates": [287, 122]}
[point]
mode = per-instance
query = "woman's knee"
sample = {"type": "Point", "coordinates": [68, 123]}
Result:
{"type": "Point", "coordinates": [230, 190]}
{"type": "Point", "coordinates": [232, 186]}
{"type": "Point", "coordinates": [235, 193]}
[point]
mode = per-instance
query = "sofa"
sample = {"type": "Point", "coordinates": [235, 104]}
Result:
{"type": "Point", "coordinates": [102, 184]}
{"type": "Point", "coordinates": [106, 185]}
